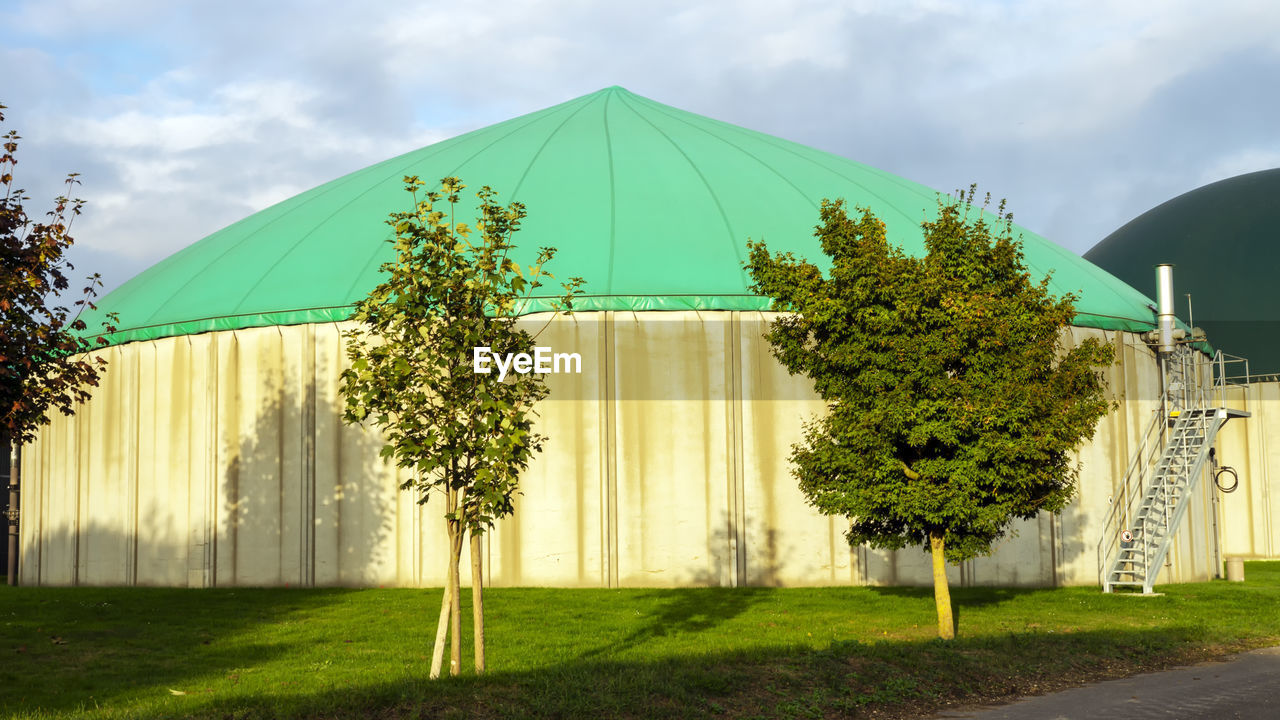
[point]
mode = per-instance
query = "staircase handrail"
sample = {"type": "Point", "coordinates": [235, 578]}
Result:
{"type": "Point", "coordinates": [1193, 404]}
{"type": "Point", "coordinates": [1148, 453]}
{"type": "Point", "coordinates": [1222, 381]}
{"type": "Point", "coordinates": [1214, 422]}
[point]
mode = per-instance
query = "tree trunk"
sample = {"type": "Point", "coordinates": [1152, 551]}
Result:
{"type": "Point", "coordinates": [941, 593]}
{"type": "Point", "coordinates": [477, 602]}
{"type": "Point", "coordinates": [455, 620]}
{"type": "Point", "coordinates": [12, 458]}
{"type": "Point", "coordinates": [442, 625]}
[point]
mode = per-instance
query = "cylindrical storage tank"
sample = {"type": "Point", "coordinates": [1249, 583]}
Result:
{"type": "Point", "coordinates": [1224, 239]}
{"type": "Point", "coordinates": [214, 452]}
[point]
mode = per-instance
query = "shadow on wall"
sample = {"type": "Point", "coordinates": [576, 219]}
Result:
{"type": "Point", "coordinates": [1075, 549]}
{"type": "Point", "coordinates": [101, 553]}
{"type": "Point", "coordinates": [754, 555]}
{"type": "Point", "coordinates": [304, 499]}
{"type": "Point", "coordinates": [766, 562]}
{"type": "Point", "coordinates": [1040, 552]}
{"type": "Point", "coordinates": [1032, 554]}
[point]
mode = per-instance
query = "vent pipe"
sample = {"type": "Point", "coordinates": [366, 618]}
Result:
{"type": "Point", "coordinates": [1164, 300]}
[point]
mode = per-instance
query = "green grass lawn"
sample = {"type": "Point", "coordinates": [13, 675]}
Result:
{"type": "Point", "coordinates": [755, 652]}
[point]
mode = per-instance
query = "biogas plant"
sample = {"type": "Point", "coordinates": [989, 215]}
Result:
{"type": "Point", "coordinates": [214, 451]}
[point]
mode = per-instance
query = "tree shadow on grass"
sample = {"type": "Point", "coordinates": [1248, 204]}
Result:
{"type": "Point", "coordinates": [962, 598]}
{"type": "Point", "coordinates": [541, 671]}
{"type": "Point", "coordinates": [845, 679]}
{"type": "Point", "coordinates": [693, 610]}
{"type": "Point", "coordinates": [66, 648]}
{"type": "Point", "coordinates": [969, 596]}
{"type": "Point", "coordinates": [683, 611]}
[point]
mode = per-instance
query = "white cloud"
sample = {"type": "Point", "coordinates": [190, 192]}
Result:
{"type": "Point", "coordinates": [1084, 113]}
{"type": "Point", "coordinates": [248, 144]}
{"type": "Point", "coordinates": [132, 130]}
{"type": "Point", "coordinates": [54, 17]}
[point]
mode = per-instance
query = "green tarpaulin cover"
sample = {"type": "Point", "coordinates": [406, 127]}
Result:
{"type": "Point", "coordinates": [650, 204]}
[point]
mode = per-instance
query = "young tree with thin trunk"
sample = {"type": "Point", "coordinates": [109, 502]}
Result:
{"type": "Point", "coordinates": [464, 435]}
{"type": "Point", "coordinates": [42, 343]}
{"type": "Point", "coordinates": [953, 406]}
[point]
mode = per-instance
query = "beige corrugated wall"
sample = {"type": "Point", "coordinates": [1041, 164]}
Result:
{"type": "Point", "coordinates": [1252, 447]}
{"type": "Point", "coordinates": [222, 459]}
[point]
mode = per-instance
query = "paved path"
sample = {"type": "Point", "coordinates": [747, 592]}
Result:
{"type": "Point", "coordinates": [1244, 686]}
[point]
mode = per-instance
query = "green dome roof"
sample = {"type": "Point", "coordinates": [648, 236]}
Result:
{"type": "Point", "coordinates": [1224, 239]}
{"type": "Point", "coordinates": [650, 204]}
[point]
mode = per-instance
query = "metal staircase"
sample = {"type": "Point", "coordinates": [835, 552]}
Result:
{"type": "Point", "coordinates": [1163, 473]}
{"type": "Point", "coordinates": [1159, 514]}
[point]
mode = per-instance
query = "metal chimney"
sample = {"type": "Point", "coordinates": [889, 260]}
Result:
{"type": "Point", "coordinates": [1164, 300]}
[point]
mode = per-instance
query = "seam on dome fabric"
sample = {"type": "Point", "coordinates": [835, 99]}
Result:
{"type": "Point", "coordinates": [794, 148]}
{"type": "Point", "coordinates": [302, 238]}
{"type": "Point", "coordinates": [613, 189]}
{"type": "Point", "coordinates": [779, 144]}
{"type": "Point", "coordinates": [785, 144]}
{"type": "Point", "coordinates": [131, 288]}
{"type": "Point", "coordinates": [538, 153]}
{"type": "Point", "coordinates": [1089, 270]}
{"type": "Point", "coordinates": [724, 217]}
{"type": "Point", "coordinates": [335, 185]}
{"type": "Point", "coordinates": [662, 109]}
{"type": "Point", "coordinates": [325, 188]}
{"type": "Point", "coordinates": [530, 118]}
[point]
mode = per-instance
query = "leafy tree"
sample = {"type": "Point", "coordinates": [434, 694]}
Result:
{"type": "Point", "coordinates": [42, 361]}
{"type": "Point", "coordinates": [463, 434]}
{"type": "Point", "coordinates": [953, 406]}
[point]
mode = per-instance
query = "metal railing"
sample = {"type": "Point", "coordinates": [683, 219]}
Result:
{"type": "Point", "coordinates": [1132, 490]}
{"type": "Point", "coordinates": [1191, 381]}
{"type": "Point", "coordinates": [1177, 486]}
{"type": "Point", "coordinates": [1222, 363]}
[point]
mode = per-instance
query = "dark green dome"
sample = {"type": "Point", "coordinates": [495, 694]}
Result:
{"type": "Point", "coordinates": [1224, 239]}
{"type": "Point", "coordinates": [650, 204]}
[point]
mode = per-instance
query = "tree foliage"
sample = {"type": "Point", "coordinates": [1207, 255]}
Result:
{"type": "Point", "coordinates": [42, 365]}
{"type": "Point", "coordinates": [953, 406]}
{"type": "Point", "coordinates": [463, 435]}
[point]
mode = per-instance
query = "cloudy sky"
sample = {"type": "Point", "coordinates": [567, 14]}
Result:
{"type": "Point", "coordinates": [183, 117]}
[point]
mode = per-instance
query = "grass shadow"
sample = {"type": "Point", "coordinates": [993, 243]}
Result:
{"type": "Point", "coordinates": [973, 596]}
{"type": "Point", "coordinates": [849, 679]}
{"type": "Point", "coordinates": [683, 611]}
{"type": "Point", "coordinates": [820, 652]}
{"type": "Point", "coordinates": [71, 646]}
